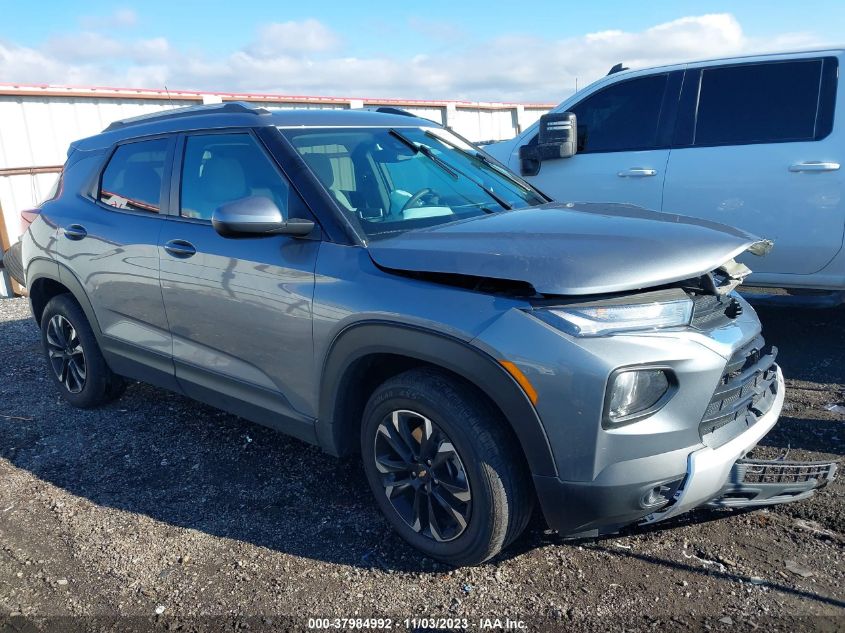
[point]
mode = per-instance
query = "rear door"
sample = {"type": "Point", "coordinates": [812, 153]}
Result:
{"type": "Point", "coordinates": [108, 238]}
{"type": "Point", "coordinates": [239, 308]}
{"type": "Point", "coordinates": [756, 149]}
{"type": "Point", "coordinates": [624, 131]}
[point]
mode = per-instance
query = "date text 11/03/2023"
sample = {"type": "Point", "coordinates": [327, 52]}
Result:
{"type": "Point", "coordinates": [457, 624]}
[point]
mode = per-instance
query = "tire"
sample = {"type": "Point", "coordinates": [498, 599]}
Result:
{"type": "Point", "coordinates": [74, 359]}
{"type": "Point", "coordinates": [12, 263]}
{"type": "Point", "coordinates": [489, 505]}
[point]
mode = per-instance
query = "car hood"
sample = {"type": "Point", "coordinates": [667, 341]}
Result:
{"type": "Point", "coordinates": [568, 249]}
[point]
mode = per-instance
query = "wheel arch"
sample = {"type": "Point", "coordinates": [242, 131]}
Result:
{"type": "Point", "coordinates": [47, 279]}
{"type": "Point", "coordinates": [365, 354]}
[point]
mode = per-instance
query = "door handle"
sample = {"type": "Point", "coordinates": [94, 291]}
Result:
{"type": "Point", "coordinates": [814, 165]}
{"type": "Point", "coordinates": [180, 248]}
{"type": "Point", "coordinates": [637, 172]}
{"type": "Point", "coordinates": [75, 232]}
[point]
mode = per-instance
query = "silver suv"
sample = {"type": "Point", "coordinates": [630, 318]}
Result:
{"type": "Point", "coordinates": [370, 282]}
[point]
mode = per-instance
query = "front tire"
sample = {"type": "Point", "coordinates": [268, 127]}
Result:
{"type": "Point", "coordinates": [445, 469]}
{"type": "Point", "coordinates": [74, 359]}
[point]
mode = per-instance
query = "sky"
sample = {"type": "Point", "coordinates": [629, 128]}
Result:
{"type": "Point", "coordinates": [481, 51]}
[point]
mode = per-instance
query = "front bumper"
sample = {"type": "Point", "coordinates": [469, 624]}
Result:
{"type": "Point", "coordinates": [709, 469]}
{"type": "Point", "coordinates": [714, 477]}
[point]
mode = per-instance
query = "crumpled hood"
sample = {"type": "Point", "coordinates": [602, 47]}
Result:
{"type": "Point", "coordinates": [568, 249]}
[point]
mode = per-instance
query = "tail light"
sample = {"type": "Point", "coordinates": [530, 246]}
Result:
{"type": "Point", "coordinates": [27, 218]}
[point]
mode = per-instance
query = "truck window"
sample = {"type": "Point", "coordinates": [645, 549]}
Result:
{"type": "Point", "coordinates": [623, 116]}
{"type": "Point", "coordinates": [758, 103]}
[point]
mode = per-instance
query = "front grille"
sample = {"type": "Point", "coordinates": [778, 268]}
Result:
{"type": "Point", "coordinates": [712, 311]}
{"type": "Point", "coordinates": [746, 391]}
{"type": "Point", "coordinates": [751, 471]}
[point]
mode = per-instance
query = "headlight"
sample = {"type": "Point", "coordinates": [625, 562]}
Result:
{"type": "Point", "coordinates": [632, 393]}
{"type": "Point", "coordinates": [645, 312]}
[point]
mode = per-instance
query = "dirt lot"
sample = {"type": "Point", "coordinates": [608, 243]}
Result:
{"type": "Point", "coordinates": [157, 512]}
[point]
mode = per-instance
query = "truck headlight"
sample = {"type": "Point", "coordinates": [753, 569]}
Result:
{"type": "Point", "coordinates": [633, 393]}
{"type": "Point", "coordinates": [648, 311]}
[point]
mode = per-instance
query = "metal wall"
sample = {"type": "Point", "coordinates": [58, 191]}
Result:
{"type": "Point", "coordinates": [38, 123]}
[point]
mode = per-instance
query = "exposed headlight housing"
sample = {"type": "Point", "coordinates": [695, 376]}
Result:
{"type": "Point", "coordinates": [635, 393]}
{"type": "Point", "coordinates": [648, 311]}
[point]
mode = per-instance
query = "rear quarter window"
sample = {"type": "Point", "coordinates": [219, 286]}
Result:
{"type": "Point", "coordinates": [133, 176]}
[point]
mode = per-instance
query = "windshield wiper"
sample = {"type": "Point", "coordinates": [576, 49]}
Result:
{"type": "Point", "coordinates": [481, 158]}
{"type": "Point", "coordinates": [453, 171]}
{"type": "Point", "coordinates": [425, 151]}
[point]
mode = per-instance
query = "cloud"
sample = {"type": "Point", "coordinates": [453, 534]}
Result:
{"type": "Point", "coordinates": [308, 57]}
{"type": "Point", "coordinates": [293, 38]}
{"type": "Point", "coordinates": [119, 18]}
{"type": "Point", "coordinates": [440, 30]}
{"type": "Point", "coordinates": [84, 46]}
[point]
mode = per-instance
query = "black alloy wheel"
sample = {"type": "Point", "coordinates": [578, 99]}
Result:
{"type": "Point", "coordinates": [67, 357]}
{"type": "Point", "coordinates": [423, 476]}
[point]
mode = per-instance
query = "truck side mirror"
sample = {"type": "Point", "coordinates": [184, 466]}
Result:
{"type": "Point", "coordinates": [558, 138]}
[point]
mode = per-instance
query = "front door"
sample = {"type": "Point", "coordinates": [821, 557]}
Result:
{"type": "Point", "coordinates": [239, 309]}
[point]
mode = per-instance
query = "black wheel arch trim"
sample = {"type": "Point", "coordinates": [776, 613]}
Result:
{"type": "Point", "coordinates": [43, 268]}
{"type": "Point", "coordinates": [383, 337]}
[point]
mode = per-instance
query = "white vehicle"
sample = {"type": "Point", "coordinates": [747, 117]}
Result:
{"type": "Point", "coordinates": [753, 142]}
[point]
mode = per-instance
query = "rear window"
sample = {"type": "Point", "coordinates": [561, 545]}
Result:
{"type": "Point", "coordinates": [757, 103]}
{"type": "Point", "coordinates": [132, 179]}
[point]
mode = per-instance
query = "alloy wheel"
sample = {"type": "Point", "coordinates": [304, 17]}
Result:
{"type": "Point", "coordinates": [67, 358]}
{"type": "Point", "coordinates": [423, 476]}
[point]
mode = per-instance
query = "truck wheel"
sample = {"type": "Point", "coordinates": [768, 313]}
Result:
{"type": "Point", "coordinates": [445, 469]}
{"type": "Point", "coordinates": [75, 362]}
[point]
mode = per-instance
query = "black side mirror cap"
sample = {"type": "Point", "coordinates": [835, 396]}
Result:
{"type": "Point", "coordinates": [557, 138]}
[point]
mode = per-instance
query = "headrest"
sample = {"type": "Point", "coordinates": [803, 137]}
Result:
{"type": "Point", "coordinates": [223, 179]}
{"type": "Point", "coordinates": [321, 165]}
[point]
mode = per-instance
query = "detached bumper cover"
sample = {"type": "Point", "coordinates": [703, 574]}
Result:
{"type": "Point", "coordinates": [757, 482]}
{"type": "Point", "coordinates": [709, 469]}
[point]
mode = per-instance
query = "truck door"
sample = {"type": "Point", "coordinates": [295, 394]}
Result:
{"type": "Point", "coordinates": [624, 131]}
{"type": "Point", "coordinates": [756, 148]}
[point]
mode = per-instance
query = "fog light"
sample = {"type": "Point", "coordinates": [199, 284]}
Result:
{"type": "Point", "coordinates": [655, 497]}
{"type": "Point", "coordinates": [632, 393]}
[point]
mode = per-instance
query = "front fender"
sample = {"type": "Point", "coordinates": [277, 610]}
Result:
{"type": "Point", "coordinates": [381, 337]}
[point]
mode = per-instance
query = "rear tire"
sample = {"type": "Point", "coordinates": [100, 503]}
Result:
{"type": "Point", "coordinates": [74, 359]}
{"type": "Point", "coordinates": [432, 446]}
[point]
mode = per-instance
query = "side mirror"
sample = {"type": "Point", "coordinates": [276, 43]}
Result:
{"type": "Point", "coordinates": [256, 216]}
{"type": "Point", "coordinates": [558, 138]}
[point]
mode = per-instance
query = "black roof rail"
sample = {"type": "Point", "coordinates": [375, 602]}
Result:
{"type": "Point", "coordinates": [230, 107]}
{"type": "Point", "coordinates": [391, 110]}
{"type": "Point", "coordinates": [618, 68]}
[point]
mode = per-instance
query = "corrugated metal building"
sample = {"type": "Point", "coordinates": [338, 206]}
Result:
{"type": "Point", "coordinates": [37, 123]}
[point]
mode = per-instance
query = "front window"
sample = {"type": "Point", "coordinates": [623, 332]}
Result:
{"type": "Point", "coordinates": [220, 168]}
{"type": "Point", "coordinates": [392, 180]}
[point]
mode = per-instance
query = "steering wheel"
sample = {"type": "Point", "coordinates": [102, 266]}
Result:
{"type": "Point", "coordinates": [413, 200]}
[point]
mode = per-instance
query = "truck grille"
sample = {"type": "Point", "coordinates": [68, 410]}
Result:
{"type": "Point", "coordinates": [746, 391]}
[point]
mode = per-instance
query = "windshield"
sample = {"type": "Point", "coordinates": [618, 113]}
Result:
{"type": "Point", "coordinates": [390, 180]}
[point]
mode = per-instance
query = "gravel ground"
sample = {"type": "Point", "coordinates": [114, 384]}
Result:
{"type": "Point", "coordinates": [160, 513]}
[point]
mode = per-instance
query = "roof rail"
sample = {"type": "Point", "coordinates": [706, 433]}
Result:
{"type": "Point", "coordinates": [230, 107]}
{"type": "Point", "coordinates": [390, 110]}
